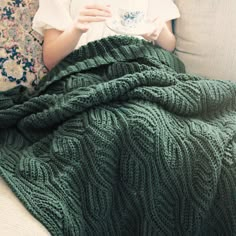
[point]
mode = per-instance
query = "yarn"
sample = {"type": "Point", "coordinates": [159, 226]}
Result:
{"type": "Point", "coordinates": [119, 140]}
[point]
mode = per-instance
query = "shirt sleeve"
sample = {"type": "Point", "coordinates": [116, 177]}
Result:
{"type": "Point", "coordinates": [165, 9]}
{"type": "Point", "coordinates": [52, 14]}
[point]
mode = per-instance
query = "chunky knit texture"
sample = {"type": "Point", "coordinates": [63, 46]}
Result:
{"type": "Point", "coordinates": [118, 140]}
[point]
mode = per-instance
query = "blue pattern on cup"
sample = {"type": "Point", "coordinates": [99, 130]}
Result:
{"type": "Point", "coordinates": [131, 18]}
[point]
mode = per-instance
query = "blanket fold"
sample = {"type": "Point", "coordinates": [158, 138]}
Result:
{"type": "Point", "coordinates": [119, 140]}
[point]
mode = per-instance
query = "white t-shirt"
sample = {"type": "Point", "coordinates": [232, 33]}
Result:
{"type": "Point", "coordinates": [59, 14]}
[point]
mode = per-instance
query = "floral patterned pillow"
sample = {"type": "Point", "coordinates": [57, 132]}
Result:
{"type": "Point", "coordinates": [20, 47]}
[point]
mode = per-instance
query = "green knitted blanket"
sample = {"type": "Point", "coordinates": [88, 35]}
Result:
{"type": "Point", "coordinates": [118, 140]}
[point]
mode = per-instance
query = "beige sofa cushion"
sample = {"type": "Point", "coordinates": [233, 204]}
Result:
{"type": "Point", "coordinates": [206, 37]}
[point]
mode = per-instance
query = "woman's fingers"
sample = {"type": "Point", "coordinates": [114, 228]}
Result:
{"type": "Point", "coordinates": [153, 35]}
{"type": "Point", "coordinates": [100, 7]}
{"type": "Point", "coordinates": [92, 13]}
{"type": "Point", "coordinates": [96, 10]}
{"type": "Point", "coordinates": [90, 19]}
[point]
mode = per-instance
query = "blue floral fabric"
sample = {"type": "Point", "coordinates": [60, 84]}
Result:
{"type": "Point", "coordinates": [20, 47]}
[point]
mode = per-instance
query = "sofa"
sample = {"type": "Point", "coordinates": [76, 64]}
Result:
{"type": "Point", "coordinates": [205, 43]}
{"type": "Point", "coordinates": [206, 38]}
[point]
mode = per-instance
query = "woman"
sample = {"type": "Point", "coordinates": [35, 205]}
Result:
{"type": "Point", "coordinates": [68, 24]}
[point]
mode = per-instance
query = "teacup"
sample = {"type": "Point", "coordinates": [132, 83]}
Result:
{"type": "Point", "coordinates": [131, 18]}
{"type": "Point", "coordinates": [132, 12]}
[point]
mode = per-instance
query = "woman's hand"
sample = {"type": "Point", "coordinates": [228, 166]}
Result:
{"type": "Point", "coordinates": [158, 25]}
{"type": "Point", "coordinates": [90, 14]}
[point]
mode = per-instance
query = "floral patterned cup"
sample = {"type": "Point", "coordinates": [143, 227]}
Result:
{"type": "Point", "coordinates": [132, 12]}
{"type": "Point", "coordinates": [131, 18]}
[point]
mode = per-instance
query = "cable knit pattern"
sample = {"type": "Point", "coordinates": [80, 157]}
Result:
{"type": "Point", "coordinates": [118, 140]}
